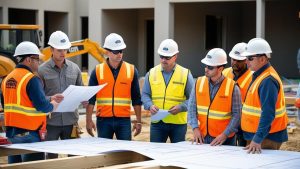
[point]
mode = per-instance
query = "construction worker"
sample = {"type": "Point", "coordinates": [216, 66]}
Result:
{"type": "Point", "coordinates": [216, 102]}
{"type": "Point", "coordinates": [167, 86]}
{"type": "Point", "coordinates": [25, 104]}
{"type": "Point", "coordinates": [113, 101]}
{"type": "Point", "coordinates": [57, 74]}
{"type": "Point", "coordinates": [264, 117]}
{"type": "Point", "coordinates": [240, 73]}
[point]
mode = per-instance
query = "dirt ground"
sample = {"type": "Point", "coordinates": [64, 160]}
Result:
{"type": "Point", "coordinates": [292, 145]}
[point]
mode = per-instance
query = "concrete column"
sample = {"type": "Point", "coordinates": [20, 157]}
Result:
{"type": "Point", "coordinates": [260, 18]}
{"type": "Point", "coordinates": [164, 24]}
{"type": "Point", "coordinates": [40, 21]}
{"type": "Point", "coordinates": [5, 14]}
{"type": "Point", "coordinates": [95, 29]}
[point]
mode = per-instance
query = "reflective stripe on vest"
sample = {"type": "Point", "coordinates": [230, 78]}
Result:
{"type": "Point", "coordinates": [214, 116]}
{"type": "Point", "coordinates": [165, 97]}
{"type": "Point", "coordinates": [115, 98]}
{"type": "Point", "coordinates": [18, 108]}
{"type": "Point", "coordinates": [251, 111]}
{"type": "Point", "coordinates": [243, 81]}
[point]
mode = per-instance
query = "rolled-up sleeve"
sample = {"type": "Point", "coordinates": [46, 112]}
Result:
{"type": "Point", "coordinates": [192, 110]}
{"type": "Point", "coordinates": [236, 112]}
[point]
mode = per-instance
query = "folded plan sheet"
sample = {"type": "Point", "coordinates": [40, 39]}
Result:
{"type": "Point", "coordinates": [74, 95]}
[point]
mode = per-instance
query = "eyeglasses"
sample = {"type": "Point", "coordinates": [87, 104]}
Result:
{"type": "Point", "coordinates": [116, 51]}
{"type": "Point", "coordinates": [250, 58]}
{"type": "Point", "coordinates": [35, 58]}
{"type": "Point", "coordinates": [210, 67]}
{"type": "Point", "coordinates": [165, 57]}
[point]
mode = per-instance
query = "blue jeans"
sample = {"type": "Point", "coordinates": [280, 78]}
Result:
{"type": "Point", "coordinates": [229, 141]}
{"type": "Point", "coordinates": [32, 137]}
{"type": "Point", "coordinates": [108, 126]}
{"type": "Point", "coordinates": [159, 132]}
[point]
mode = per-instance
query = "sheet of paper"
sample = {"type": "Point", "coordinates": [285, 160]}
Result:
{"type": "Point", "coordinates": [74, 95]}
{"type": "Point", "coordinates": [159, 115]}
{"type": "Point", "coordinates": [183, 154]}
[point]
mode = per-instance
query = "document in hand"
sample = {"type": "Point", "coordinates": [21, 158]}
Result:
{"type": "Point", "coordinates": [159, 115]}
{"type": "Point", "coordinates": [74, 95]}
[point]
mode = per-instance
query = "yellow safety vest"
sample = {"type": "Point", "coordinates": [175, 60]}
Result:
{"type": "Point", "coordinates": [168, 95]}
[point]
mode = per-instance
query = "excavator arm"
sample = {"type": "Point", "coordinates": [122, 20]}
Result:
{"type": "Point", "coordinates": [78, 48]}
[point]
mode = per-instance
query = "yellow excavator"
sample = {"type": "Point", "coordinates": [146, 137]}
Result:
{"type": "Point", "coordinates": [12, 35]}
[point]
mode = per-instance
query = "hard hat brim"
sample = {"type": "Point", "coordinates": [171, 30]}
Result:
{"type": "Point", "coordinates": [234, 56]}
{"type": "Point", "coordinates": [167, 54]}
{"type": "Point", "coordinates": [67, 46]}
{"type": "Point", "coordinates": [206, 62]}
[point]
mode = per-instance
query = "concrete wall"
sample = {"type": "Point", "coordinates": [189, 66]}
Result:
{"type": "Point", "coordinates": [41, 6]}
{"type": "Point", "coordinates": [190, 29]}
{"type": "Point", "coordinates": [283, 33]}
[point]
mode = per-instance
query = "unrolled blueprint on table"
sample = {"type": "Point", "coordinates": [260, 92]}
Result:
{"type": "Point", "coordinates": [74, 95]}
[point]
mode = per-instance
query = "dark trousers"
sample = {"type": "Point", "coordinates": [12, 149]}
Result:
{"type": "Point", "coordinates": [229, 141]}
{"type": "Point", "coordinates": [108, 126]}
{"type": "Point", "coordinates": [160, 132]}
{"type": "Point", "coordinates": [56, 132]}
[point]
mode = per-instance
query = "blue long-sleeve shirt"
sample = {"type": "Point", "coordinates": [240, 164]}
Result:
{"type": "Point", "coordinates": [36, 94]}
{"type": "Point", "coordinates": [268, 91]}
{"type": "Point", "coordinates": [135, 87]}
{"type": "Point", "coordinates": [146, 92]}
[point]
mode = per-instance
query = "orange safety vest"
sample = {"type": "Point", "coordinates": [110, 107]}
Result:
{"type": "Point", "coordinates": [243, 81]}
{"type": "Point", "coordinates": [214, 116]}
{"type": "Point", "coordinates": [115, 98]}
{"type": "Point", "coordinates": [18, 108]}
{"type": "Point", "coordinates": [251, 111]}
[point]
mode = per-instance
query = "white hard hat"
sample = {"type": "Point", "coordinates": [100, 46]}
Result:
{"type": "Point", "coordinates": [168, 47]}
{"type": "Point", "coordinates": [215, 57]}
{"type": "Point", "coordinates": [114, 42]}
{"type": "Point", "coordinates": [237, 50]}
{"type": "Point", "coordinates": [27, 48]}
{"type": "Point", "coordinates": [257, 46]}
{"type": "Point", "coordinates": [59, 40]}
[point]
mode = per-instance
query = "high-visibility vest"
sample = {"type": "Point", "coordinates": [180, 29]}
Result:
{"type": "Point", "coordinates": [18, 108]}
{"type": "Point", "coordinates": [251, 111]}
{"type": "Point", "coordinates": [165, 96]}
{"type": "Point", "coordinates": [115, 98]}
{"type": "Point", "coordinates": [243, 81]}
{"type": "Point", "coordinates": [214, 115]}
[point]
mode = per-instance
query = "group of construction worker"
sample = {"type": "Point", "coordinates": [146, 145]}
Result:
{"type": "Point", "coordinates": [242, 105]}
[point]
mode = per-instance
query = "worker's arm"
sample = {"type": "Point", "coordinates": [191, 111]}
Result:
{"type": "Point", "coordinates": [90, 125]}
{"type": "Point", "coordinates": [268, 91]}
{"type": "Point", "coordinates": [136, 103]}
{"type": "Point", "coordinates": [37, 96]}
{"type": "Point", "coordinates": [193, 117]}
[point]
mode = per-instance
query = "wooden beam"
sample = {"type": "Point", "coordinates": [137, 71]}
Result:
{"type": "Point", "coordinates": [81, 161]}
{"type": "Point", "coordinates": [7, 151]}
{"type": "Point", "coordinates": [290, 100]}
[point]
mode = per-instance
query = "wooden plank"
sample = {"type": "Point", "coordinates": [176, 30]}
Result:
{"type": "Point", "coordinates": [290, 100]}
{"type": "Point", "coordinates": [140, 165]}
{"type": "Point", "coordinates": [100, 160]}
{"type": "Point", "coordinates": [7, 151]}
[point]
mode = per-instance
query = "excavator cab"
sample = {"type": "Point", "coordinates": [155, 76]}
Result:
{"type": "Point", "coordinates": [10, 37]}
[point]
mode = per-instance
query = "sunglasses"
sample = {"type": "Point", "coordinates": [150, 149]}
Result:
{"type": "Point", "coordinates": [250, 58]}
{"type": "Point", "coordinates": [210, 67]}
{"type": "Point", "coordinates": [165, 57]}
{"type": "Point", "coordinates": [116, 51]}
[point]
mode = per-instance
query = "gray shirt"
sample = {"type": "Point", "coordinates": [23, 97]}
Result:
{"type": "Point", "coordinates": [55, 81]}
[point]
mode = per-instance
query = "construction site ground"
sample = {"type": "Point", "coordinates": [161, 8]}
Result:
{"type": "Point", "coordinates": [292, 145]}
